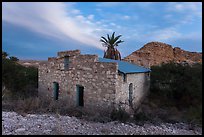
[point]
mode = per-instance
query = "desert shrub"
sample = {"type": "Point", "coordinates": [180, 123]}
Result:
{"type": "Point", "coordinates": [102, 116]}
{"type": "Point", "coordinates": [21, 81]}
{"type": "Point", "coordinates": [141, 117]}
{"type": "Point", "coordinates": [194, 115]}
{"type": "Point", "coordinates": [177, 85]}
{"type": "Point", "coordinates": [98, 118]}
{"type": "Point", "coordinates": [120, 115]}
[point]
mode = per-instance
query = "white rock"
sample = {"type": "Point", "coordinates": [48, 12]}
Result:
{"type": "Point", "coordinates": [47, 131]}
{"type": "Point", "coordinates": [20, 130]}
{"type": "Point", "coordinates": [73, 126]}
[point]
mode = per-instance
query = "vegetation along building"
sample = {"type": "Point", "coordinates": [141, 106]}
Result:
{"type": "Point", "coordinates": [93, 83]}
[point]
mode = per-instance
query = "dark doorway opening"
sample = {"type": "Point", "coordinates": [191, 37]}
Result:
{"type": "Point", "coordinates": [130, 94]}
{"type": "Point", "coordinates": [55, 90]}
{"type": "Point", "coordinates": [80, 95]}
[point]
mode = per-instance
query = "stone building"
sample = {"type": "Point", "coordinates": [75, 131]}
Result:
{"type": "Point", "coordinates": [93, 83]}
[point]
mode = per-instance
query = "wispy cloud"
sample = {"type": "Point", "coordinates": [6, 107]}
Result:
{"type": "Point", "coordinates": [109, 4]}
{"type": "Point", "coordinates": [91, 17]}
{"type": "Point", "coordinates": [52, 19]}
{"type": "Point", "coordinates": [193, 8]}
{"type": "Point", "coordinates": [182, 13]}
{"type": "Point", "coordinates": [163, 34]}
{"type": "Point", "coordinates": [126, 17]}
{"type": "Point", "coordinates": [85, 23]}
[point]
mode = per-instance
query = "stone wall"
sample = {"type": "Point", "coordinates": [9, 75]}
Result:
{"type": "Point", "coordinates": [104, 88]}
{"type": "Point", "coordinates": [98, 79]}
{"type": "Point", "coordinates": [141, 84]}
{"type": "Point", "coordinates": [68, 53]}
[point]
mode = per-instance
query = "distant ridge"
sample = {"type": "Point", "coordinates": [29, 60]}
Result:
{"type": "Point", "coordinates": [155, 53]}
{"type": "Point", "coordinates": [29, 63]}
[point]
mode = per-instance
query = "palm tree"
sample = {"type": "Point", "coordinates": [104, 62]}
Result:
{"type": "Point", "coordinates": [111, 43]}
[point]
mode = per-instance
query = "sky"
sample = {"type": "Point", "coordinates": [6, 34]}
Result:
{"type": "Point", "coordinates": [38, 30]}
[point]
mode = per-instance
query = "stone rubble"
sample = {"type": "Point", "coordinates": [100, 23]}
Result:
{"type": "Point", "coordinates": [46, 124]}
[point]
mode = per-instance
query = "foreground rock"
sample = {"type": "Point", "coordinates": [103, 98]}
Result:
{"type": "Point", "coordinates": [32, 124]}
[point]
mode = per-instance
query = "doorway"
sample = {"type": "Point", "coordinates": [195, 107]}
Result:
{"type": "Point", "coordinates": [80, 95]}
{"type": "Point", "coordinates": [130, 94]}
{"type": "Point", "coordinates": [55, 90]}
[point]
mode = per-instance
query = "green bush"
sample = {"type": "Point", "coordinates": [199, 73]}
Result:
{"type": "Point", "coordinates": [194, 115]}
{"type": "Point", "coordinates": [141, 116]}
{"type": "Point", "coordinates": [177, 85]}
{"type": "Point", "coordinates": [20, 80]}
{"type": "Point", "coordinates": [120, 115]}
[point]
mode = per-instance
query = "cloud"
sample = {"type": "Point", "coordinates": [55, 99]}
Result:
{"type": "Point", "coordinates": [193, 8]}
{"type": "Point", "coordinates": [152, 33]}
{"type": "Point", "coordinates": [109, 4]}
{"type": "Point", "coordinates": [52, 19]}
{"type": "Point", "coordinates": [91, 17]}
{"type": "Point", "coordinates": [144, 5]}
{"type": "Point", "coordinates": [169, 34]}
{"type": "Point", "coordinates": [183, 13]}
{"type": "Point", "coordinates": [75, 11]}
{"type": "Point", "coordinates": [126, 17]}
{"type": "Point", "coordinates": [165, 34]}
{"type": "Point", "coordinates": [112, 24]}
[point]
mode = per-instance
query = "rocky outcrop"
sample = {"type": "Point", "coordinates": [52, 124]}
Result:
{"type": "Point", "coordinates": [155, 53]}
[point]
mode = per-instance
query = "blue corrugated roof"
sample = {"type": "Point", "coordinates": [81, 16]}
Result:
{"type": "Point", "coordinates": [126, 67]}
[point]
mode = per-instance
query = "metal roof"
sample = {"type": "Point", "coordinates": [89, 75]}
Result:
{"type": "Point", "coordinates": [126, 67]}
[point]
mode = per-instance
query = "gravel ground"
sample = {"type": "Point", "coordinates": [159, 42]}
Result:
{"type": "Point", "coordinates": [33, 124]}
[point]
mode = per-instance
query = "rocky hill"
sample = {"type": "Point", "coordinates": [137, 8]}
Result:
{"type": "Point", "coordinates": [155, 53]}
